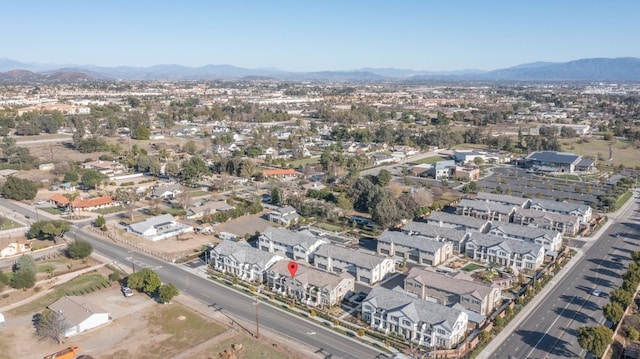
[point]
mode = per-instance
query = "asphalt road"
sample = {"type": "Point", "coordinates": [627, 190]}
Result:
{"type": "Point", "coordinates": [550, 330]}
{"type": "Point", "coordinates": [235, 305]}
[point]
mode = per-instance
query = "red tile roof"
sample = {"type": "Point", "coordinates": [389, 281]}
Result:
{"type": "Point", "coordinates": [279, 172]}
{"type": "Point", "coordinates": [91, 202]}
{"type": "Point", "coordinates": [60, 199]}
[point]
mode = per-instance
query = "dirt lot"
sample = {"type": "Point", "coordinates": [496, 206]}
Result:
{"type": "Point", "coordinates": [140, 328]}
{"type": "Point", "coordinates": [245, 224]}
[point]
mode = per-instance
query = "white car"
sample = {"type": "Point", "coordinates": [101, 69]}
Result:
{"type": "Point", "coordinates": [127, 291]}
{"type": "Point", "coordinates": [596, 293]}
{"type": "Point", "coordinates": [41, 202]}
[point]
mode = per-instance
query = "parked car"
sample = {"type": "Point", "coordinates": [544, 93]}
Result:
{"type": "Point", "coordinates": [127, 291]}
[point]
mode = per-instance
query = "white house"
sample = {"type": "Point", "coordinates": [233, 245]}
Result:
{"type": "Point", "coordinates": [296, 245]}
{"type": "Point", "coordinates": [243, 261]}
{"type": "Point", "coordinates": [366, 268]}
{"type": "Point", "coordinates": [417, 320]}
{"type": "Point", "coordinates": [419, 249]}
{"type": "Point", "coordinates": [80, 314]}
{"type": "Point", "coordinates": [284, 215]}
{"type": "Point", "coordinates": [159, 227]}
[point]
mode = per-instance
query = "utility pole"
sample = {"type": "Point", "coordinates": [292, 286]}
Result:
{"type": "Point", "coordinates": [257, 322]}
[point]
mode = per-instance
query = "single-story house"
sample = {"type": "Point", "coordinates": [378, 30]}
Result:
{"type": "Point", "coordinates": [80, 314]}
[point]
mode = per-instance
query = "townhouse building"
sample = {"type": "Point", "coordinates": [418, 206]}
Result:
{"type": "Point", "coordinates": [443, 219]}
{"type": "Point", "coordinates": [490, 211]}
{"type": "Point", "coordinates": [309, 286]}
{"type": "Point", "coordinates": [366, 268]}
{"type": "Point", "coordinates": [418, 249]}
{"type": "Point", "coordinates": [582, 211]}
{"type": "Point", "coordinates": [550, 240]}
{"type": "Point", "coordinates": [503, 198]}
{"type": "Point", "coordinates": [512, 253]}
{"type": "Point", "coordinates": [298, 245]}
{"type": "Point", "coordinates": [417, 320]}
{"type": "Point", "coordinates": [241, 260]}
{"type": "Point", "coordinates": [448, 290]}
{"type": "Point", "coordinates": [457, 237]}
{"type": "Point", "coordinates": [566, 224]}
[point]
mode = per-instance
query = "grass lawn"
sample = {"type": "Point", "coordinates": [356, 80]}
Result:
{"type": "Point", "coordinates": [304, 161]}
{"type": "Point", "coordinates": [427, 160]}
{"type": "Point", "coordinates": [109, 210]}
{"type": "Point", "coordinates": [199, 193]}
{"type": "Point", "coordinates": [623, 199]}
{"type": "Point", "coordinates": [47, 267]}
{"type": "Point", "coordinates": [175, 211]}
{"type": "Point", "coordinates": [6, 223]}
{"type": "Point", "coordinates": [37, 305]}
{"type": "Point", "coordinates": [52, 210]}
{"type": "Point", "coordinates": [567, 177]}
{"type": "Point", "coordinates": [471, 267]}
{"type": "Point", "coordinates": [329, 226]}
{"type": "Point", "coordinates": [182, 328]}
{"type": "Point", "coordinates": [624, 152]}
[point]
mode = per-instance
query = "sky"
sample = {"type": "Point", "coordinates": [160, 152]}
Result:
{"type": "Point", "coordinates": [314, 35]}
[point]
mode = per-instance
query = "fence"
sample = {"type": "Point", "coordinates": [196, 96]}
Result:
{"type": "Point", "coordinates": [116, 238]}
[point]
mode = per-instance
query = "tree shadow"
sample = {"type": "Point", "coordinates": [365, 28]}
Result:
{"type": "Point", "coordinates": [599, 281]}
{"type": "Point", "coordinates": [555, 347]}
{"type": "Point", "coordinates": [572, 314]}
{"type": "Point", "coordinates": [606, 272]}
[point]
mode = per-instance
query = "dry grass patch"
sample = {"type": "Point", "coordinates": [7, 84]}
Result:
{"type": "Point", "coordinates": [251, 349]}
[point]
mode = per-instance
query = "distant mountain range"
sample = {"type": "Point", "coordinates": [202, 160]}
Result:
{"type": "Point", "coordinates": [625, 69]}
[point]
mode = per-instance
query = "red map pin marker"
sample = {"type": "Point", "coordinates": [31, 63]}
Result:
{"type": "Point", "coordinates": [293, 268]}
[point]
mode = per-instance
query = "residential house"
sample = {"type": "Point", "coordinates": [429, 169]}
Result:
{"type": "Point", "coordinates": [420, 170]}
{"type": "Point", "coordinates": [13, 246]}
{"type": "Point", "coordinates": [457, 237]}
{"type": "Point", "coordinates": [503, 199]}
{"type": "Point", "coordinates": [241, 260]}
{"type": "Point", "coordinates": [208, 208]}
{"type": "Point", "coordinates": [91, 204]}
{"type": "Point", "coordinates": [582, 211]}
{"type": "Point", "coordinates": [566, 224]}
{"type": "Point", "coordinates": [466, 174]}
{"type": "Point", "coordinates": [415, 248]}
{"type": "Point", "coordinates": [381, 159]}
{"type": "Point", "coordinates": [491, 211]}
{"type": "Point", "coordinates": [284, 215]}
{"type": "Point", "coordinates": [444, 219]}
{"type": "Point", "coordinates": [417, 320]}
{"type": "Point", "coordinates": [80, 314]}
{"type": "Point", "coordinates": [366, 268]}
{"type": "Point", "coordinates": [296, 245]}
{"type": "Point", "coordinates": [107, 168]}
{"type": "Point", "coordinates": [549, 239]}
{"type": "Point", "coordinates": [280, 172]}
{"type": "Point", "coordinates": [511, 253]}
{"type": "Point", "coordinates": [309, 286]}
{"type": "Point", "coordinates": [449, 290]}
{"type": "Point", "coordinates": [159, 227]}
{"type": "Point", "coordinates": [167, 191]}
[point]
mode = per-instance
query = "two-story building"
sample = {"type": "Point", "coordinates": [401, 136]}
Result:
{"type": "Point", "coordinates": [550, 240]}
{"type": "Point", "coordinates": [566, 224]}
{"type": "Point", "coordinates": [241, 260]}
{"type": "Point", "coordinates": [511, 253]}
{"type": "Point", "coordinates": [284, 215]}
{"type": "Point", "coordinates": [490, 211]}
{"type": "Point", "coordinates": [456, 236]}
{"type": "Point", "coordinates": [582, 211]}
{"type": "Point", "coordinates": [414, 248]}
{"type": "Point", "coordinates": [417, 320]}
{"type": "Point", "coordinates": [443, 219]}
{"type": "Point", "coordinates": [296, 245]}
{"type": "Point", "coordinates": [447, 290]}
{"type": "Point", "coordinates": [309, 286]}
{"type": "Point", "coordinates": [366, 268]}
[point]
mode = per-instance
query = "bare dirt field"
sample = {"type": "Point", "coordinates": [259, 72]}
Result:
{"type": "Point", "coordinates": [140, 328]}
{"type": "Point", "coordinates": [245, 224]}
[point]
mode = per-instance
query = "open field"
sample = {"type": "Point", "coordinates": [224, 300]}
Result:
{"type": "Point", "coordinates": [624, 152]}
{"type": "Point", "coordinates": [427, 160]}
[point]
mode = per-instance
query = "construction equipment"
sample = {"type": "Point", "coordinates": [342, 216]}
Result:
{"type": "Point", "coordinates": [66, 353]}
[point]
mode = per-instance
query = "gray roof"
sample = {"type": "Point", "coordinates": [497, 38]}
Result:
{"type": "Point", "coordinates": [585, 162]}
{"type": "Point", "coordinates": [448, 283]}
{"type": "Point", "coordinates": [420, 243]}
{"type": "Point", "coordinates": [431, 230]}
{"type": "Point", "coordinates": [243, 252]}
{"type": "Point", "coordinates": [510, 245]}
{"type": "Point", "coordinates": [560, 206]}
{"type": "Point", "coordinates": [502, 198]}
{"type": "Point", "coordinates": [518, 230]}
{"type": "Point", "coordinates": [160, 189]}
{"type": "Point", "coordinates": [486, 206]}
{"type": "Point", "coordinates": [556, 217]}
{"type": "Point", "coordinates": [290, 238]}
{"type": "Point", "coordinates": [211, 205]}
{"type": "Point", "coordinates": [310, 275]}
{"type": "Point", "coordinates": [456, 220]}
{"type": "Point", "coordinates": [353, 256]}
{"type": "Point", "coordinates": [76, 309]}
{"type": "Point", "coordinates": [444, 164]}
{"type": "Point", "coordinates": [143, 226]}
{"type": "Point", "coordinates": [556, 157]}
{"type": "Point", "coordinates": [418, 310]}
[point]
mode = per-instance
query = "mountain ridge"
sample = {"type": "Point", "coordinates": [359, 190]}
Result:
{"type": "Point", "coordinates": [590, 69]}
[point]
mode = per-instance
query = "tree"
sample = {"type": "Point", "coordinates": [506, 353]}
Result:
{"type": "Point", "coordinates": [24, 273]}
{"type": "Point", "coordinates": [613, 312]}
{"type": "Point", "coordinates": [71, 176]}
{"type": "Point", "coordinates": [51, 325]}
{"type": "Point", "coordinates": [48, 229]}
{"type": "Point", "coordinates": [383, 178]}
{"type": "Point", "coordinates": [100, 222]}
{"type": "Point", "coordinates": [621, 296]}
{"type": "Point", "coordinates": [127, 197]}
{"type": "Point", "coordinates": [92, 178]}
{"type": "Point", "coordinates": [193, 169]}
{"type": "Point", "coordinates": [79, 249]}
{"type": "Point", "coordinates": [166, 292]}
{"type": "Point", "coordinates": [142, 132]}
{"type": "Point", "coordinates": [277, 197]}
{"type": "Point", "coordinates": [386, 210]}
{"type": "Point", "coordinates": [19, 189]}
{"type": "Point", "coordinates": [595, 339]}
{"type": "Point", "coordinates": [144, 280]}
